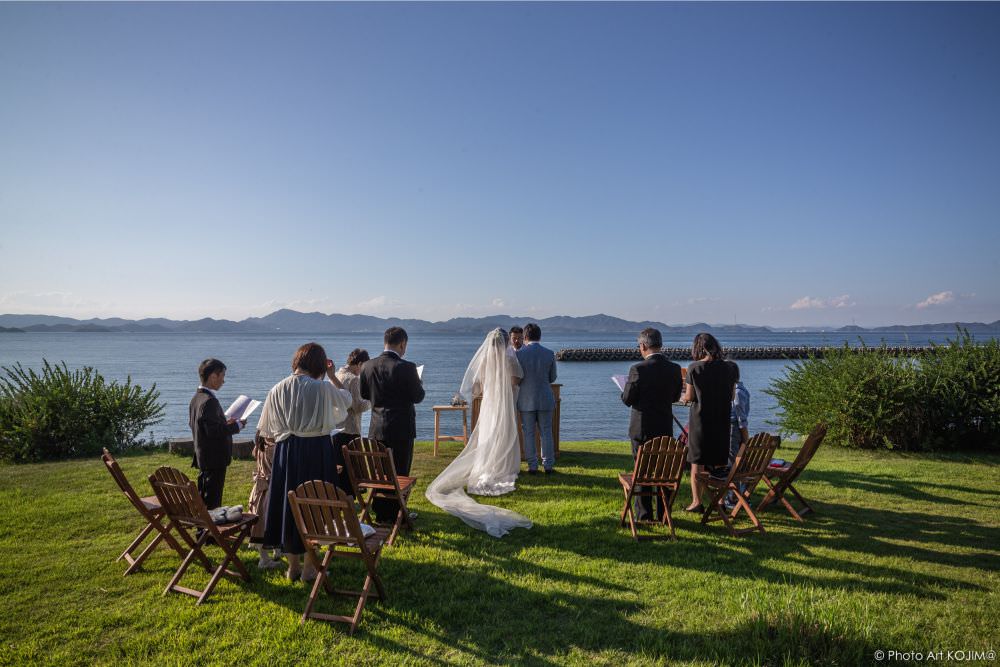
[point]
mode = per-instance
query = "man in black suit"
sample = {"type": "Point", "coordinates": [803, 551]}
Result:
{"type": "Point", "coordinates": [393, 387]}
{"type": "Point", "coordinates": [653, 385]}
{"type": "Point", "coordinates": [212, 433]}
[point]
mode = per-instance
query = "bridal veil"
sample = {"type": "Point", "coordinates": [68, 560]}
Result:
{"type": "Point", "coordinates": [490, 462]}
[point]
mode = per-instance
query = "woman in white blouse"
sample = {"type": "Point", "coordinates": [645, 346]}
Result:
{"type": "Point", "coordinates": [299, 413]}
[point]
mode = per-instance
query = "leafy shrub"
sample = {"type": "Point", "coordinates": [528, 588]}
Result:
{"type": "Point", "coordinates": [947, 398]}
{"type": "Point", "coordinates": [61, 413]}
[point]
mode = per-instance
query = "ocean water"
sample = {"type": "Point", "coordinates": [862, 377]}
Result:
{"type": "Point", "coordinates": [591, 405]}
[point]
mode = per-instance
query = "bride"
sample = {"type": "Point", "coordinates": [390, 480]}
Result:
{"type": "Point", "coordinates": [489, 464]}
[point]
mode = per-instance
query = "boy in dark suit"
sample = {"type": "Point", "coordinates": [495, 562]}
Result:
{"type": "Point", "coordinates": [393, 387]}
{"type": "Point", "coordinates": [212, 433]}
{"type": "Point", "coordinates": [653, 385]}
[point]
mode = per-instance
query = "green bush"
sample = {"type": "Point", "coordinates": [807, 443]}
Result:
{"type": "Point", "coordinates": [947, 398]}
{"type": "Point", "coordinates": [61, 413]}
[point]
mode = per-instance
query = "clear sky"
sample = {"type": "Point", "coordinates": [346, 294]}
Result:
{"type": "Point", "coordinates": [783, 164]}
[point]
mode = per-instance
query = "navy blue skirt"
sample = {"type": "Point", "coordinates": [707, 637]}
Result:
{"type": "Point", "coordinates": [296, 460]}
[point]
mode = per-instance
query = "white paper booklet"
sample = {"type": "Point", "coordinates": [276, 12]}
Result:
{"type": "Point", "coordinates": [242, 408]}
{"type": "Point", "coordinates": [420, 372]}
{"type": "Point", "coordinates": [619, 381]}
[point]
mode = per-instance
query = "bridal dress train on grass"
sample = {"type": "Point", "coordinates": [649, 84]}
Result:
{"type": "Point", "coordinates": [489, 464]}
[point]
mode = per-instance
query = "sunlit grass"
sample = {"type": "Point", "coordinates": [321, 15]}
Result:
{"type": "Point", "coordinates": [902, 554]}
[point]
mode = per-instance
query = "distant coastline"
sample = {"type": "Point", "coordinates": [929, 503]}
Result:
{"type": "Point", "coordinates": [291, 321]}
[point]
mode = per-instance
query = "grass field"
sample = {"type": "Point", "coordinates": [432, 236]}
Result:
{"type": "Point", "coordinates": [903, 554]}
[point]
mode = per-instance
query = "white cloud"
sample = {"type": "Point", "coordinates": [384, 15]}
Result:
{"type": "Point", "coordinates": [810, 303]}
{"type": "Point", "coordinates": [373, 304]}
{"type": "Point", "coordinates": [937, 299]}
{"type": "Point", "coordinates": [46, 303]}
{"type": "Point", "coordinates": [499, 303]}
{"type": "Point", "coordinates": [807, 303]}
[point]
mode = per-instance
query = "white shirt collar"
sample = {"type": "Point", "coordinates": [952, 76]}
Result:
{"type": "Point", "coordinates": [211, 391]}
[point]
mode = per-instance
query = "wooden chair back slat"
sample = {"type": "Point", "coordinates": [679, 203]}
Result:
{"type": "Point", "coordinates": [659, 460]}
{"type": "Point", "coordinates": [325, 514]}
{"type": "Point", "coordinates": [368, 462]}
{"type": "Point", "coordinates": [180, 498]}
{"type": "Point", "coordinates": [123, 483]}
{"type": "Point", "coordinates": [806, 453]}
{"type": "Point", "coordinates": [753, 458]}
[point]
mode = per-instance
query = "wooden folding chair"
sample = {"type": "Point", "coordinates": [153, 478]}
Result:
{"type": "Point", "coordinates": [746, 472]}
{"type": "Point", "coordinates": [780, 479]}
{"type": "Point", "coordinates": [659, 465]}
{"type": "Point", "coordinates": [185, 508]}
{"type": "Point", "coordinates": [373, 475]}
{"type": "Point", "coordinates": [149, 508]}
{"type": "Point", "coordinates": [325, 517]}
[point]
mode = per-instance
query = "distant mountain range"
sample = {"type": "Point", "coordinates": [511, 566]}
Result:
{"type": "Point", "coordinates": [291, 321]}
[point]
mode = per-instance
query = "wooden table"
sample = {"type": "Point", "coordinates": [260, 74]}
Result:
{"type": "Point", "coordinates": [464, 438]}
{"type": "Point", "coordinates": [477, 401]}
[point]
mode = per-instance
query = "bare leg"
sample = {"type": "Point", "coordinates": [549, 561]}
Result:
{"type": "Point", "coordinates": [695, 488]}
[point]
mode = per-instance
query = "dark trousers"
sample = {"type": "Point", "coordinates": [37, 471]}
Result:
{"type": "Point", "coordinates": [402, 457]}
{"type": "Point", "coordinates": [210, 483]}
{"type": "Point", "coordinates": [339, 440]}
{"type": "Point", "coordinates": [643, 505]}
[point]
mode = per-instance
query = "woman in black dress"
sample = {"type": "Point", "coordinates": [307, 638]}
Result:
{"type": "Point", "coordinates": [709, 390]}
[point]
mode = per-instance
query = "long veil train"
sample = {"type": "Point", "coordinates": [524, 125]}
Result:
{"type": "Point", "coordinates": [490, 462]}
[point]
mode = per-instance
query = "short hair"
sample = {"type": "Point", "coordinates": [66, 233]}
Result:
{"type": "Point", "coordinates": [706, 345]}
{"type": "Point", "coordinates": [395, 336]}
{"type": "Point", "coordinates": [209, 367]}
{"type": "Point", "coordinates": [515, 330]}
{"type": "Point", "coordinates": [357, 356]}
{"type": "Point", "coordinates": [532, 332]}
{"type": "Point", "coordinates": [310, 358]}
{"type": "Point", "coordinates": [651, 338]}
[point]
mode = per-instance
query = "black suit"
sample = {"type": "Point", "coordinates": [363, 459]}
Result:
{"type": "Point", "coordinates": [213, 445]}
{"type": "Point", "coordinates": [653, 385]}
{"type": "Point", "coordinates": [393, 387]}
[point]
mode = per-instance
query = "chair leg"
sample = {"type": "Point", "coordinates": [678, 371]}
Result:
{"type": "Point", "coordinates": [136, 563]}
{"type": "Point", "coordinates": [195, 550]}
{"type": "Point", "coordinates": [742, 503]}
{"type": "Point", "coordinates": [806, 508]}
{"type": "Point", "coordinates": [629, 512]}
{"type": "Point", "coordinates": [770, 496]}
{"type": "Point", "coordinates": [321, 580]}
{"type": "Point", "coordinates": [127, 554]}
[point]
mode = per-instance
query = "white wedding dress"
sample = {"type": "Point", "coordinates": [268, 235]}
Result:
{"type": "Point", "coordinates": [489, 464]}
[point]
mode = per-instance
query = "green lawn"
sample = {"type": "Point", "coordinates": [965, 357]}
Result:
{"type": "Point", "coordinates": [902, 554]}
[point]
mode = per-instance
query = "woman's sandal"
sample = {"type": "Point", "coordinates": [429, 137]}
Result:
{"type": "Point", "coordinates": [698, 509]}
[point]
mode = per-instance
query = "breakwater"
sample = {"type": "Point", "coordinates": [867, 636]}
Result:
{"type": "Point", "coordinates": [768, 352]}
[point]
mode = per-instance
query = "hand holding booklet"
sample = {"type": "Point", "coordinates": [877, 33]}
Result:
{"type": "Point", "coordinates": [242, 408]}
{"type": "Point", "coordinates": [619, 381]}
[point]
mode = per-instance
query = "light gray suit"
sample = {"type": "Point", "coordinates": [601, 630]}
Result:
{"type": "Point", "coordinates": [536, 401]}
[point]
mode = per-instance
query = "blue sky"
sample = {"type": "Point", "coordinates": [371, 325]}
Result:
{"type": "Point", "coordinates": [781, 163]}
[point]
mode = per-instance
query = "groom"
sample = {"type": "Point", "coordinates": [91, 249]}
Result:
{"type": "Point", "coordinates": [535, 400]}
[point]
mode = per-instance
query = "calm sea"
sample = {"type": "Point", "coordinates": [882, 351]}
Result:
{"type": "Point", "coordinates": [591, 407]}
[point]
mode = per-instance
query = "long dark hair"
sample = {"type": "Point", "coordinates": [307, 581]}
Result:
{"type": "Point", "coordinates": [706, 345]}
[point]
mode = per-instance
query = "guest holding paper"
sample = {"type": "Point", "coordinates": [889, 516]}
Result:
{"type": "Point", "coordinates": [212, 433]}
{"type": "Point", "coordinates": [350, 428]}
{"type": "Point", "coordinates": [710, 382]}
{"type": "Point", "coordinates": [652, 387]}
{"type": "Point", "coordinates": [299, 414]}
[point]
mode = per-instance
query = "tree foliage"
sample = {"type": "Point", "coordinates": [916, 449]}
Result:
{"type": "Point", "coordinates": [947, 398]}
{"type": "Point", "coordinates": [60, 413]}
